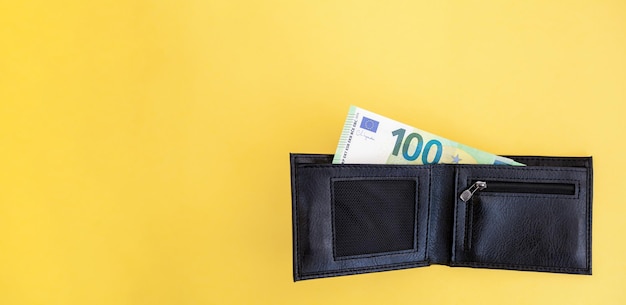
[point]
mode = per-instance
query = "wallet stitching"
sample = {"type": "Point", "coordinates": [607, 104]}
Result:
{"type": "Point", "coordinates": [427, 235]}
{"type": "Point", "coordinates": [453, 255]}
{"type": "Point", "coordinates": [567, 160]}
{"type": "Point", "coordinates": [373, 255]}
{"type": "Point", "coordinates": [518, 266]}
{"type": "Point", "coordinates": [469, 225]}
{"type": "Point", "coordinates": [456, 220]}
{"type": "Point", "coordinates": [463, 166]}
{"type": "Point", "coordinates": [589, 215]}
{"type": "Point", "coordinates": [377, 267]}
{"type": "Point", "coordinates": [332, 216]}
{"type": "Point", "coordinates": [377, 166]}
{"type": "Point", "coordinates": [546, 161]}
{"type": "Point", "coordinates": [297, 229]}
{"type": "Point", "coordinates": [416, 229]}
{"type": "Point", "coordinates": [523, 168]}
{"type": "Point", "coordinates": [552, 158]}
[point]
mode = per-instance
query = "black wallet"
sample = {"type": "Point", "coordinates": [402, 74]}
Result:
{"type": "Point", "coordinates": [358, 218]}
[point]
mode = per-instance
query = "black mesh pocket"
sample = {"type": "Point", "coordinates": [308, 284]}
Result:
{"type": "Point", "coordinates": [373, 216]}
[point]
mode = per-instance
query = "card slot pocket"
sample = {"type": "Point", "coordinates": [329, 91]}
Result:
{"type": "Point", "coordinates": [523, 219]}
{"type": "Point", "coordinates": [359, 218]}
{"type": "Point", "coordinates": [373, 216]}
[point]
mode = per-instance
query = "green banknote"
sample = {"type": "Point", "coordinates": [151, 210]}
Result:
{"type": "Point", "coordinates": [369, 138]}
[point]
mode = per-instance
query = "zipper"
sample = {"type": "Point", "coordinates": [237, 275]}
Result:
{"type": "Point", "coordinates": [477, 186]}
{"type": "Point", "coordinates": [518, 187]}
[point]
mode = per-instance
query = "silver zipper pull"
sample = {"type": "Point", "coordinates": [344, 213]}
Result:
{"type": "Point", "coordinates": [477, 186]}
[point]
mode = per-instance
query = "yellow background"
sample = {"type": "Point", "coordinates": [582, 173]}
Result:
{"type": "Point", "coordinates": [144, 144]}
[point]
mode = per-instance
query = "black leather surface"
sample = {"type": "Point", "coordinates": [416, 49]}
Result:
{"type": "Point", "coordinates": [508, 229]}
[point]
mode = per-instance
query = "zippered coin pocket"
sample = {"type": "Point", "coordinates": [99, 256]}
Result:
{"type": "Point", "coordinates": [524, 218]}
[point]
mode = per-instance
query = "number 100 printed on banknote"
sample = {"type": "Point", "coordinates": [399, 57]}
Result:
{"type": "Point", "coordinates": [369, 138]}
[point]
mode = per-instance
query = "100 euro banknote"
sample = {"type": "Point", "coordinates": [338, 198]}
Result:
{"type": "Point", "coordinates": [369, 138]}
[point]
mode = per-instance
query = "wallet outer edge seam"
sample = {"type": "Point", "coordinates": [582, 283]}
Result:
{"type": "Point", "coordinates": [298, 275]}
